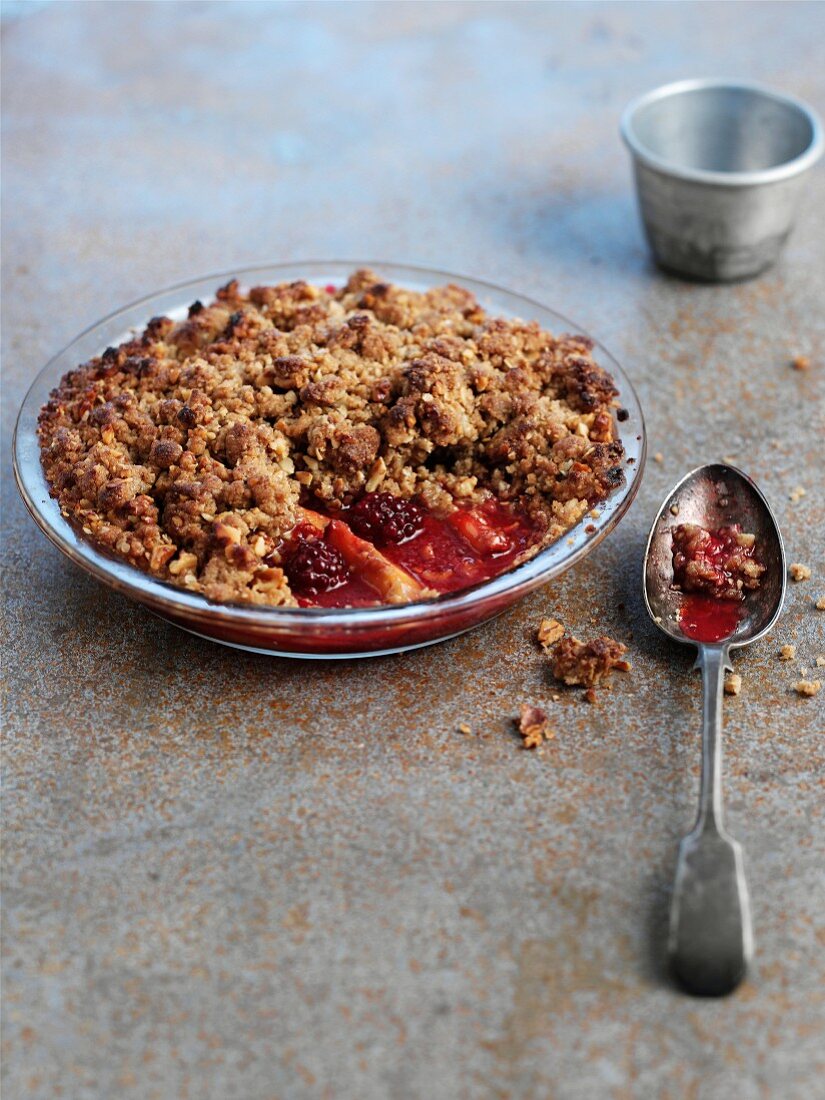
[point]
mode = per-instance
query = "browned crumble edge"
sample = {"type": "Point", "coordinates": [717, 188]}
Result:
{"type": "Point", "coordinates": [587, 663]}
{"type": "Point", "coordinates": [533, 727]}
{"type": "Point", "coordinates": [185, 450]}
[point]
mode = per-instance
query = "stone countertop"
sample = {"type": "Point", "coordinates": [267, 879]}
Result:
{"type": "Point", "coordinates": [237, 877]}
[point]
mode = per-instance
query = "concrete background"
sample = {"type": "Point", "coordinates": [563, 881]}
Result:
{"type": "Point", "coordinates": [228, 876]}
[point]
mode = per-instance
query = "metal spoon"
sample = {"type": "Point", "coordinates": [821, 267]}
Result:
{"type": "Point", "coordinates": [710, 942]}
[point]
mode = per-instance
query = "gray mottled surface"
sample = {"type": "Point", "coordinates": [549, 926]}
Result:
{"type": "Point", "coordinates": [234, 877]}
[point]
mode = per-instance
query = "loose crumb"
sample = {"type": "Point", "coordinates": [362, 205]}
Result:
{"type": "Point", "coordinates": [533, 727]}
{"type": "Point", "coordinates": [800, 572]}
{"type": "Point", "coordinates": [800, 362]}
{"type": "Point", "coordinates": [674, 509]}
{"type": "Point", "coordinates": [796, 494]}
{"type": "Point", "coordinates": [787, 653]}
{"type": "Point", "coordinates": [733, 683]}
{"type": "Point", "coordinates": [820, 603]}
{"type": "Point", "coordinates": [464, 728]}
{"type": "Point", "coordinates": [549, 632]}
{"type": "Point", "coordinates": [587, 663]}
{"type": "Point", "coordinates": [820, 662]}
{"type": "Point", "coordinates": [658, 457]}
{"type": "Point", "coordinates": [807, 687]}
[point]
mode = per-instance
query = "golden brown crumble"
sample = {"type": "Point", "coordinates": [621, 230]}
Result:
{"type": "Point", "coordinates": [190, 449]}
{"type": "Point", "coordinates": [820, 603]}
{"type": "Point", "coordinates": [533, 727]}
{"type": "Point", "coordinates": [787, 653]}
{"type": "Point", "coordinates": [800, 572]}
{"type": "Point", "coordinates": [587, 663]}
{"type": "Point", "coordinates": [548, 633]}
{"type": "Point", "coordinates": [733, 683]}
{"type": "Point", "coordinates": [807, 687]}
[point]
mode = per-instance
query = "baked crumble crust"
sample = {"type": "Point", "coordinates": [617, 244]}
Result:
{"type": "Point", "coordinates": [190, 449]}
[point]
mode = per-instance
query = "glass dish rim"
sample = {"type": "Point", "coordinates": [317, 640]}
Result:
{"type": "Point", "coordinates": [168, 598]}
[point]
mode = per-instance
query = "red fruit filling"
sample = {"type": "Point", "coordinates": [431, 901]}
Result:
{"type": "Point", "coordinates": [330, 562]}
{"type": "Point", "coordinates": [315, 567]}
{"type": "Point", "coordinates": [385, 519]}
{"type": "Point", "coordinates": [705, 619]}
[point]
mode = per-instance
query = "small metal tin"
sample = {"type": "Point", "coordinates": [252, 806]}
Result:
{"type": "Point", "coordinates": [719, 169]}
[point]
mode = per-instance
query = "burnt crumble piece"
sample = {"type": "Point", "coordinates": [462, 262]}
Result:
{"type": "Point", "coordinates": [201, 449]}
{"type": "Point", "coordinates": [587, 663]}
{"type": "Point", "coordinates": [721, 564]}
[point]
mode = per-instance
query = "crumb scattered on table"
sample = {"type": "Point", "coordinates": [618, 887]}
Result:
{"type": "Point", "coordinates": [796, 494]}
{"type": "Point", "coordinates": [533, 726]}
{"type": "Point", "coordinates": [820, 662]}
{"type": "Point", "coordinates": [658, 457]}
{"type": "Point", "coordinates": [800, 572]}
{"type": "Point", "coordinates": [549, 632]}
{"type": "Point", "coordinates": [587, 663]}
{"type": "Point", "coordinates": [801, 362]}
{"type": "Point", "coordinates": [820, 603]}
{"type": "Point", "coordinates": [787, 653]}
{"type": "Point", "coordinates": [733, 683]}
{"type": "Point", "coordinates": [464, 728]}
{"type": "Point", "coordinates": [807, 687]}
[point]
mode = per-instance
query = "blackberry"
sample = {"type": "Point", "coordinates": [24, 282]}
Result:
{"type": "Point", "coordinates": [385, 519]}
{"type": "Point", "coordinates": [314, 567]}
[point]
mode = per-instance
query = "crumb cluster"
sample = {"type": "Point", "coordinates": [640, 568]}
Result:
{"type": "Point", "coordinates": [533, 727]}
{"type": "Point", "coordinates": [587, 663]}
{"type": "Point", "coordinates": [190, 450]}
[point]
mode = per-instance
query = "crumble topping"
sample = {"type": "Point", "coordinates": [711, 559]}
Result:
{"type": "Point", "coordinates": [718, 563]}
{"type": "Point", "coordinates": [588, 663]}
{"type": "Point", "coordinates": [533, 727]}
{"type": "Point", "coordinates": [193, 450]}
{"type": "Point", "coordinates": [800, 572]}
{"type": "Point", "coordinates": [733, 683]}
{"type": "Point", "coordinates": [807, 687]}
{"type": "Point", "coordinates": [548, 633]}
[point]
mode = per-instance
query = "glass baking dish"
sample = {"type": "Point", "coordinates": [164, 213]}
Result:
{"type": "Point", "coordinates": [318, 632]}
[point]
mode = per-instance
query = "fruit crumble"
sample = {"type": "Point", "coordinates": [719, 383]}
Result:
{"type": "Point", "coordinates": [303, 446]}
{"type": "Point", "coordinates": [721, 564]}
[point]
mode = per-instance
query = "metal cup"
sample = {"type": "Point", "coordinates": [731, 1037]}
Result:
{"type": "Point", "coordinates": [719, 169]}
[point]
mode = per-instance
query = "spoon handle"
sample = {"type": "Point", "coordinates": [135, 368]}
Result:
{"type": "Point", "coordinates": [713, 661]}
{"type": "Point", "coordinates": [710, 930]}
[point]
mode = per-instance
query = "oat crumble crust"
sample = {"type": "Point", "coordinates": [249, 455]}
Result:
{"type": "Point", "coordinates": [187, 449]}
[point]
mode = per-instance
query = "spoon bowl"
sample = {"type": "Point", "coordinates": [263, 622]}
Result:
{"type": "Point", "coordinates": [715, 496]}
{"type": "Point", "coordinates": [711, 942]}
